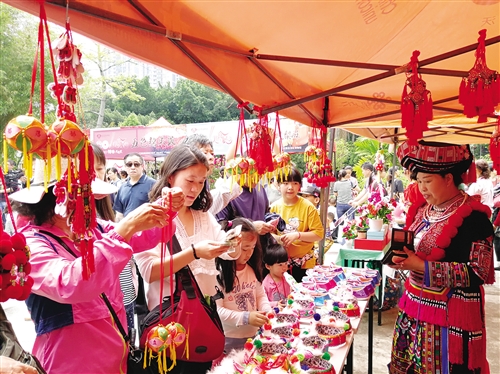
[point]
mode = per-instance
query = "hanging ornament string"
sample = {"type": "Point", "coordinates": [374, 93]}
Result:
{"type": "Point", "coordinates": [242, 133]}
{"type": "Point", "coordinates": [281, 161]}
{"type": "Point", "coordinates": [479, 92]}
{"type": "Point", "coordinates": [277, 130]}
{"type": "Point", "coordinates": [7, 201]}
{"type": "Point", "coordinates": [416, 105]}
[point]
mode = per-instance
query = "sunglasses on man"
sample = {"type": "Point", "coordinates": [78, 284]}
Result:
{"type": "Point", "coordinates": [135, 164]}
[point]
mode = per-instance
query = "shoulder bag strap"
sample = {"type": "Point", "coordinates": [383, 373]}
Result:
{"type": "Point", "coordinates": [103, 295]}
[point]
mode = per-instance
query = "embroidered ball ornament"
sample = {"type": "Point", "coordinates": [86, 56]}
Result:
{"type": "Point", "coordinates": [161, 339]}
{"type": "Point", "coordinates": [70, 139]}
{"type": "Point", "coordinates": [25, 134]}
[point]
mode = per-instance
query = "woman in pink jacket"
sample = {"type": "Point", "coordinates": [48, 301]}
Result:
{"type": "Point", "coordinates": [75, 330]}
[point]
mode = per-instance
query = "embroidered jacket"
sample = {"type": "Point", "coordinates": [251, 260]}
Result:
{"type": "Point", "coordinates": [459, 260]}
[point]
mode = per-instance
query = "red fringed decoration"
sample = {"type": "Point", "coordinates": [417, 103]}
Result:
{"type": "Point", "coordinates": [495, 147]}
{"type": "Point", "coordinates": [416, 106]}
{"type": "Point", "coordinates": [83, 220]}
{"type": "Point", "coordinates": [319, 169]}
{"type": "Point", "coordinates": [260, 144]}
{"type": "Point", "coordinates": [480, 91]}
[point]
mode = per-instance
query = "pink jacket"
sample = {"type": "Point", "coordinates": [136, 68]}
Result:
{"type": "Point", "coordinates": [90, 343]}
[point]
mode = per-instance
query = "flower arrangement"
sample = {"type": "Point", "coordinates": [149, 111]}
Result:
{"type": "Point", "coordinates": [362, 224]}
{"type": "Point", "coordinates": [378, 208]}
{"type": "Point", "coordinates": [349, 230]}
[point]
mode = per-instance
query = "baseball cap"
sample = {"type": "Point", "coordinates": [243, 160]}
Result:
{"type": "Point", "coordinates": [310, 190]}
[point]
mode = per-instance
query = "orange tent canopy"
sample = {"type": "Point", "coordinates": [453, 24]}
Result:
{"type": "Point", "coordinates": [337, 64]}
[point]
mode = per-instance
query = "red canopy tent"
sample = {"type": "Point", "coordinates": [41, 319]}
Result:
{"type": "Point", "coordinates": [337, 64]}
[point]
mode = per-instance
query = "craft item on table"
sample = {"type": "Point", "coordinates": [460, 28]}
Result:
{"type": "Point", "coordinates": [361, 290]}
{"type": "Point", "coordinates": [15, 282]}
{"type": "Point", "coordinates": [342, 296]}
{"type": "Point", "coordinates": [270, 344]}
{"type": "Point", "coordinates": [333, 330]}
{"type": "Point", "coordinates": [366, 275]}
{"type": "Point", "coordinates": [302, 303]}
{"type": "Point", "coordinates": [416, 105]}
{"type": "Point", "coordinates": [294, 285]}
{"type": "Point", "coordinates": [281, 323]}
{"type": "Point", "coordinates": [479, 92]}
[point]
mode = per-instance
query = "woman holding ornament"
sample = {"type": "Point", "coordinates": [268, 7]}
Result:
{"type": "Point", "coordinates": [441, 323]}
{"type": "Point", "coordinates": [75, 332]}
{"type": "Point", "coordinates": [200, 236]}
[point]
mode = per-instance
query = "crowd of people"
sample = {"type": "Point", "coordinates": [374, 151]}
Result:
{"type": "Point", "coordinates": [280, 228]}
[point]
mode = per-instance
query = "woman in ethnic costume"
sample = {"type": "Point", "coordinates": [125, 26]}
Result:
{"type": "Point", "coordinates": [441, 324]}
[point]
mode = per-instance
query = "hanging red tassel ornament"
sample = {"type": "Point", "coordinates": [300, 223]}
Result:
{"type": "Point", "coordinates": [319, 170]}
{"type": "Point", "coordinates": [416, 105]}
{"type": "Point", "coordinates": [260, 144]}
{"type": "Point", "coordinates": [479, 92]}
{"type": "Point", "coordinates": [495, 147]}
{"type": "Point", "coordinates": [242, 169]}
{"type": "Point", "coordinates": [83, 220]}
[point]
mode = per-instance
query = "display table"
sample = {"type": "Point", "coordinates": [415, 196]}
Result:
{"type": "Point", "coordinates": [343, 356]}
{"type": "Point", "coordinates": [356, 258]}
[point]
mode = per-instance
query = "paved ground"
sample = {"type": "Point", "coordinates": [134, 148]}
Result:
{"type": "Point", "coordinates": [19, 317]}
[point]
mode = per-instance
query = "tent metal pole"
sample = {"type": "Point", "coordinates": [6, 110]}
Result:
{"type": "Point", "coordinates": [323, 202]}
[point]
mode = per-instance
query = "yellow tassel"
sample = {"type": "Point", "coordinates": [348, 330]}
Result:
{"type": "Point", "coordinates": [70, 174]}
{"type": "Point", "coordinates": [58, 160]}
{"type": "Point", "coordinates": [173, 356]}
{"type": "Point", "coordinates": [164, 353]}
{"type": "Point", "coordinates": [160, 366]}
{"type": "Point", "coordinates": [25, 152]}
{"type": "Point", "coordinates": [29, 171]}
{"type": "Point", "coordinates": [186, 348]}
{"type": "Point", "coordinates": [144, 365]}
{"type": "Point", "coordinates": [5, 154]}
{"type": "Point", "coordinates": [49, 157]}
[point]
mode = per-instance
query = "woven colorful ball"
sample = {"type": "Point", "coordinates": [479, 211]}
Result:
{"type": "Point", "coordinates": [70, 139]}
{"type": "Point", "coordinates": [25, 133]}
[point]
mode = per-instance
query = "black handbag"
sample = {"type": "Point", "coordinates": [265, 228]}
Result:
{"type": "Point", "coordinates": [10, 347]}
